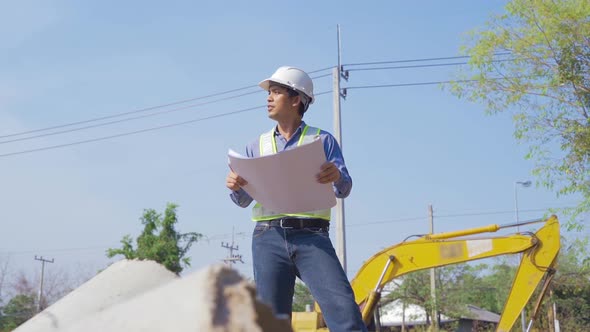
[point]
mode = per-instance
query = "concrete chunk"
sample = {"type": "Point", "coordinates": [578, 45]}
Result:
{"type": "Point", "coordinates": [119, 282]}
{"type": "Point", "coordinates": [214, 299]}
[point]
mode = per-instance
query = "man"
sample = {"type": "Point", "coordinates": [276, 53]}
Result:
{"type": "Point", "coordinates": [286, 246]}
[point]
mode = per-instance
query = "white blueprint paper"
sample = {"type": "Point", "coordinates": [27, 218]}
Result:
{"type": "Point", "coordinates": [286, 182]}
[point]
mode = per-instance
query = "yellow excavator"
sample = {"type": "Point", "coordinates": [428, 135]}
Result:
{"type": "Point", "coordinates": [539, 252]}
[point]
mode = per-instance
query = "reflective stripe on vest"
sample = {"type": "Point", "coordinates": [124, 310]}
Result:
{"type": "Point", "coordinates": [268, 146]}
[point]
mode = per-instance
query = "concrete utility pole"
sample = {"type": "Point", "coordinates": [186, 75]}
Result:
{"type": "Point", "coordinates": [434, 322]}
{"type": "Point", "coordinates": [404, 313]}
{"type": "Point", "coordinates": [555, 320]}
{"type": "Point", "coordinates": [40, 295]}
{"type": "Point", "coordinates": [340, 225]}
{"type": "Point", "coordinates": [231, 259]}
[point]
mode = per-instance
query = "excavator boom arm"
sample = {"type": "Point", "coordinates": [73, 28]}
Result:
{"type": "Point", "coordinates": [539, 253]}
{"type": "Point", "coordinates": [535, 263]}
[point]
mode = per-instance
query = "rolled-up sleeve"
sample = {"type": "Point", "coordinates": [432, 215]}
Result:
{"type": "Point", "coordinates": [241, 198]}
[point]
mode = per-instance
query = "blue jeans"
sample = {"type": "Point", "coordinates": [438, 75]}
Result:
{"type": "Point", "coordinates": [281, 254]}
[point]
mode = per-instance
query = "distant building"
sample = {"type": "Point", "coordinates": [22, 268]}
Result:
{"type": "Point", "coordinates": [478, 319]}
{"type": "Point", "coordinates": [394, 315]}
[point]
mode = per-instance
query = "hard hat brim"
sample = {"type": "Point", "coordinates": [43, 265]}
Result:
{"type": "Point", "coordinates": [266, 86]}
{"type": "Point", "coordinates": [266, 83]}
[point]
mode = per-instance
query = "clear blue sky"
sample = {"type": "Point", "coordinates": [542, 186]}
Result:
{"type": "Point", "coordinates": [406, 147]}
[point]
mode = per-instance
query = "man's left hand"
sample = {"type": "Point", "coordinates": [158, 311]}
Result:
{"type": "Point", "coordinates": [328, 173]}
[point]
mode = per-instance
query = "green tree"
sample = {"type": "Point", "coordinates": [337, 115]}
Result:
{"type": "Point", "coordinates": [544, 77]}
{"type": "Point", "coordinates": [456, 287]}
{"type": "Point", "coordinates": [494, 285]}
{"type": "Point", "coordinates": [301, 297]}
{"type": "Point", "coordinates": [17, 311]}
{"type": "Point", "coordinates": [414, 288]}
{"type": "Point", "coordinates": [571, 287]}
{"type": "Point", "coordinates": [159, 241]}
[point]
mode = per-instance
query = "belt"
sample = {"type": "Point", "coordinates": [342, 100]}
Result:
{"type": "Point", "coordinates": [297, 223]}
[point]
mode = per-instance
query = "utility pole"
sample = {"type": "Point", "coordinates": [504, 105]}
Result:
{"type": "Point", "coordinates": [340, 225]}
{"type": "Point", "coordinates": [404, 312]}
{"type": "Point", "coordinates": [434, 322]}
{"type": "Point", "coordinates": [40, 295]}
{"type": "Point", "coordinates": [555, 320]}
{"type": "Point", "coordinates": [231, 259]}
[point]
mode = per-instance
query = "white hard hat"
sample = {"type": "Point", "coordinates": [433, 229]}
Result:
{"type": "Point", "coordinates": [292, 77]}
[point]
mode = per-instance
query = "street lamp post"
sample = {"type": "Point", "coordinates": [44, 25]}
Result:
{"type": "Point", "coordinates": [525, 184]}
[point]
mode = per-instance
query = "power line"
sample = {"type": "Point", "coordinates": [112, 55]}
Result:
{"type": "Point", "coordinates": [125, 113]}
{"type": "Point", "coordinates": [320, 70]}
{"type": "Point", "coordinates": [388, 221]}
{"type": "Point", "coordinates": [417, 60]}
{"type": "Point", "coordinates": [427, 83]}
{"type": "Point", "coordinates": [127, 119]}
{"type": "Point", "coordinates": [51, 147]}
{"type": "Point", "coordinates": [410, 66]}
{"type": "Point", "coordinates": [142, 110]}
{"type": "Point", "coordinates": [493, 213]}
{"type": "Point", "coordinates": [325, 75]}
{"type": "Point", "coordinates": [422, 66]}
{"type": "Point", "coordinates": [58, 250]}
{"type": "Point", "coordinates": [405, 84]}
{"type": "Point", "coordinates": [449, 216]}
{"type": "Point", "coordinates": [105, 247]}
{"type": "Point", "coordinates": [208, 239]}
{"type": "Point", "coordinates": [78, 249]}
{"type": "Point", "coordinates": [136, 117]}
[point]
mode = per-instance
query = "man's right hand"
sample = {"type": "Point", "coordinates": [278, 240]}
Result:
{"type": "Point", "coordinates": [234, 182]}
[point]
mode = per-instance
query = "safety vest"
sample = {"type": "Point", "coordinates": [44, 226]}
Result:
{"type": "Point", "coordinates": [268, 146]}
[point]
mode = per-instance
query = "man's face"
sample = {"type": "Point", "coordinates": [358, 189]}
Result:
{"type": "Point", "coordinates": [280, 104]}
